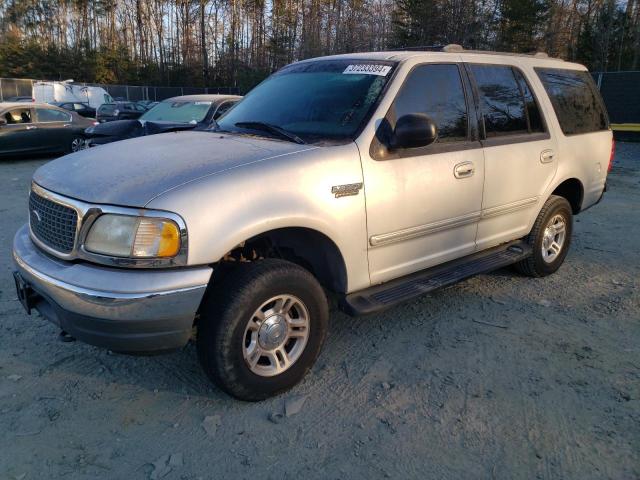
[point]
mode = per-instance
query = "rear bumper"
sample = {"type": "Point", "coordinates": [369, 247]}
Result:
{"type": "Point", "coordinates": [128, 310]}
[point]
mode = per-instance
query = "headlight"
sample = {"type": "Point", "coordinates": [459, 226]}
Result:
{"type": "Point", "coordinates": [137, 237]}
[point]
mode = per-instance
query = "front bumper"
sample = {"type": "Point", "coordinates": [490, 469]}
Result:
{"type": "Point", "coordinates": [127, 310]}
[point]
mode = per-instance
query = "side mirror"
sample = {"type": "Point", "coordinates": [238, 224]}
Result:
{"type": "Point", "coordinates": [413, 131]}
{"type": "Point", "coordinates": [3, 121]}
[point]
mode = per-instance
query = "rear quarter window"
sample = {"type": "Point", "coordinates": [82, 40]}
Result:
{"type": "Point", "coordinates": [575, 100]}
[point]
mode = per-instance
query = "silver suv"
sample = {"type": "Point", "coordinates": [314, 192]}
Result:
{"type": "Point", "coordinates": [375, 177]}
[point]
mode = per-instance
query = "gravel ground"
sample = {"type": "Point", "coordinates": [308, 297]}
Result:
{"type": "Point", "coordinates": [498, 377]}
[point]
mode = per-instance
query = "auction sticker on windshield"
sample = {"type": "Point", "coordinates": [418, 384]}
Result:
{"type": "Point", "coordinates": [367, 69]}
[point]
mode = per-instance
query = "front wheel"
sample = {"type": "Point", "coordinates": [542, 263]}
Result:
{"type": "Point", "coordinates": [261, 328]}
{"type": "Point", "coordinates": [550, 238]}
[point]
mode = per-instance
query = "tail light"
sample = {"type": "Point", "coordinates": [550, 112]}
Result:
{"type": "Point", "coordinates": [613, 154]}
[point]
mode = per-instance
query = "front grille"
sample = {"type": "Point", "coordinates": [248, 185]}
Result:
{"type": "Point", "coordinates": [52, 223]}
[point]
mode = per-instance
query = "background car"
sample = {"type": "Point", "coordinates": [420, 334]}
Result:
{"type": "Point", "coordinates": [18, 99]}
{"type": "Point", "coordinates": [177, 113]}
{"type": "Point", "coordinates": [81, 108]}
{"type": "Point", "coordinates": [109, 112]}
{"type": "Point", "coordinates": [147, 104]}
{"type": "Point", "coordinates": [40, 128]}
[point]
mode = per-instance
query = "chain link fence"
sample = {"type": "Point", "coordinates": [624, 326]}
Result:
{"type": "Point", "coordinates": [621, 94]}
{"type": "Point", "coordinates": [22, 87]}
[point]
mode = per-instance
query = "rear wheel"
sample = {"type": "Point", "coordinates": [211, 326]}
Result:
{"type": "Point", "coordinates": [550, 238]}
{"type": "Point", "coordinates": [261, 328]}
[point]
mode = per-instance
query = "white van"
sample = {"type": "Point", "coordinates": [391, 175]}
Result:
{"type": "Point", "coordinates": [47, 92]}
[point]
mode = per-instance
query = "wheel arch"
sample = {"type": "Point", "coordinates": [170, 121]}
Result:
{"type": "Point", "coordinates": [573, 191]}
{"type": "Point", "coordinates": [307, 247]}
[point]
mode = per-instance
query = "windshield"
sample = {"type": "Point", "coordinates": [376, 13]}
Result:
{"type": "Point", "coordinates": [179, 112]}
{"type": "Point", "coordinates": [324, 99]}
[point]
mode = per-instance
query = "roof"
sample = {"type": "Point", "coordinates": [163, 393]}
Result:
{"type": "Point", "coordinates": [452, 53]}
{"type": "Point", "coordinates": [203, 98]}
{"type": "Point", "coordinates": [26, 104]}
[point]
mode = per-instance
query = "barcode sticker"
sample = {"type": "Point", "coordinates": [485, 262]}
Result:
{"type": "Point", "coordinates": [367, 69]}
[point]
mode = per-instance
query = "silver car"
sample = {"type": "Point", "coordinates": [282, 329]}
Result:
{"type": "Point", "coordinates": [376, 177]}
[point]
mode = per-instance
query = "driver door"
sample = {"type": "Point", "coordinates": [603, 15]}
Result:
{"type": "Point", "coordinates": [423, 204]}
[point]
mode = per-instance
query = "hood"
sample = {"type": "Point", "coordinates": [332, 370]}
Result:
{"type": "Point", "coordinates": [152, 128]}
{"type": "Point", "coordinates": [118, 128]}
{"type": "Point", "coordinates": [133, 172]}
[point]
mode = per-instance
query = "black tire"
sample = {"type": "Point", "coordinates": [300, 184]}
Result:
{"type": "Point", "coordinates": [228, 308]}
{"type": "Point", "coordinates": [535, 265]}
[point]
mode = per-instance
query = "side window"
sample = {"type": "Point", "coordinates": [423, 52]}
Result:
{"type": "Point", "coordinates": [575, 100]}
{"type": "Point", "coordinates": [18, 115]}
{"type": "Point", "coordinates": [534, 118]}
{"type": "Point", "coordinates": [78, 106]}
{"type": "Point", "coordinates": [49, 115]}
{"type": "Point", "coordinates": [222, 109]}
{"type": "Point", "coordinates": [437, 91]}
{"type": "Point", "coordinates": [500, 100]}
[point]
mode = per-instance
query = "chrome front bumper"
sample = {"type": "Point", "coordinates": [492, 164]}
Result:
{"type": "Point", "coordinates": [129, 310]}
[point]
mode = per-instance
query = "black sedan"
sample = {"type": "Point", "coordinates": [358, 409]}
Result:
{"type": "Point", "coordinates": [110, 112]}
{"type": "Point", "coordinates": [178, 113]}
{"type": "Point", "coordinates": [81, 108]}
{"type": "Point", "coordinates": [40, 128]}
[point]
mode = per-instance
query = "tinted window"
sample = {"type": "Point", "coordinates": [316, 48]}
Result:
{"type": "Point", "coordinates": [223, 108]}
{"type": "Point", "coordinates": [534, 118]}
{"type": "Point", "coordinates": [18, 115]}
{"type": "Point", "coordinates": [106, 108]}
{"type": "Point", "coordinates": [47, 115]}
{"type": "Point", "coordinates": [435, 90]}
{"type": "Point", "coordinates": [575, 100]}
{"type": "Point", "coordinates": [500, 100]}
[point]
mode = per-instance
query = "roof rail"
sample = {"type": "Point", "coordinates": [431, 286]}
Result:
{"type": "Point", "coordinates": [421, 48]}
{"type": "Point", "coordinates": [456, 48]}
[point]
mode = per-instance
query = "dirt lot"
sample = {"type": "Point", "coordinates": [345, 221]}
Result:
{"type": "Point", "coordinates": [498, 377]}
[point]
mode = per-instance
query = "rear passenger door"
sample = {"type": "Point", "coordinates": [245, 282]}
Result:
{"type": "Point", "coordinates": [55, 128]}
{"type": "Point", "coordinates": [519, 153]}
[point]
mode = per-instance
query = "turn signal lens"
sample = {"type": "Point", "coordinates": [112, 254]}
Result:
{"type": "Point", "coordinates": [156, 238]}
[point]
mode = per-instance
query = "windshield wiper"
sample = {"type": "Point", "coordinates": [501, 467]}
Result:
{"type": "Point", "coordinates": [268, 127]}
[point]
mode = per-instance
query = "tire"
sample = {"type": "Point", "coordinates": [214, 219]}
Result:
{"type": "Point", "coordinates": [76, 144]}
{"type": "Point", "coordinates": [227, 328]}
{"type": "Point", "coordinates": [555, 211]}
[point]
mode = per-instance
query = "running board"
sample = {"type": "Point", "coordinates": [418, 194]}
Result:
{"type": "Point", "coordinates": [388, 294]}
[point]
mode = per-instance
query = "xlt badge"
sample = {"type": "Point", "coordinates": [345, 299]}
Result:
{"type": "Point", "coordinates": [346, 190]}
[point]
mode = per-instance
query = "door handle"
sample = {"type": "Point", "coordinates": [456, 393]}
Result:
{"type": "Point", "coordinates": [547, 156]}
{"type": "Point", "coordinates": [463, 170]}
{"type": "Point", "coordinates": [31, 127]}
